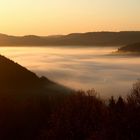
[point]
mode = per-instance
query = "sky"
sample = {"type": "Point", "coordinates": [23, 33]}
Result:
{"type": "Point", "coordinates": [52, 17]}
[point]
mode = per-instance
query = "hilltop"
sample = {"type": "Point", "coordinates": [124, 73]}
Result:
{"type": "Point", "coordinates": [132, 48]}
{"type": "Point", "coordinates": [79, 39]}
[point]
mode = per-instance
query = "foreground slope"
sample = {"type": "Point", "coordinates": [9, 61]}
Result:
{"type": "Point", "coordinates": [24, 101]}
{"type": "Point", "coordinates": [77, 116]}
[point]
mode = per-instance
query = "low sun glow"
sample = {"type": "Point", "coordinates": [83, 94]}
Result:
{"type": "Point", "coordinates": [46, 17]}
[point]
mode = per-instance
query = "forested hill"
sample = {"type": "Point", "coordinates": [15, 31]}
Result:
{"type": "Point", "coordinates": [84, 39]}
{"type": "Point", "coordinates": [132, 48]}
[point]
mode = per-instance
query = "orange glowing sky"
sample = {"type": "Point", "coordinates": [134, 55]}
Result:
{"type": "Point", "coordinates": [46, 17]}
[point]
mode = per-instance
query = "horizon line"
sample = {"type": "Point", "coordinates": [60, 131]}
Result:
{"type": "Point", "coordinates": [70, 33]}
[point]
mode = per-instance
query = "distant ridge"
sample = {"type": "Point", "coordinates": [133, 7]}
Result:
{"type": "Point", "coordinates": [78, 39]}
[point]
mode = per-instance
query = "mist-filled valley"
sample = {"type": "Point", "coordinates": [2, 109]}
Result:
{"type": "Point", "coordinates": [80, 67]}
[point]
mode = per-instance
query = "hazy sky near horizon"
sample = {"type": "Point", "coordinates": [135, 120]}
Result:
{"type": "Point", "coordinates": [46, 17]}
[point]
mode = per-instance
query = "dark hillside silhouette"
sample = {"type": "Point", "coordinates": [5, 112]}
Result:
{"type": "Point", "coordinates": [33, 108]}
{"type": "Point", "coordinates": [23, 98]}
{"type": "Point", "coordinates": [15, 77]}
{"type": "Point", "coordinates": [79, 39]}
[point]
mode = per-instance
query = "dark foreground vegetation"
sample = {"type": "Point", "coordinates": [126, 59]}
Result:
{"type": "Point", "coordinates": [48, 114]}
{"type": "Point", "coordinates": [77, 116]}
